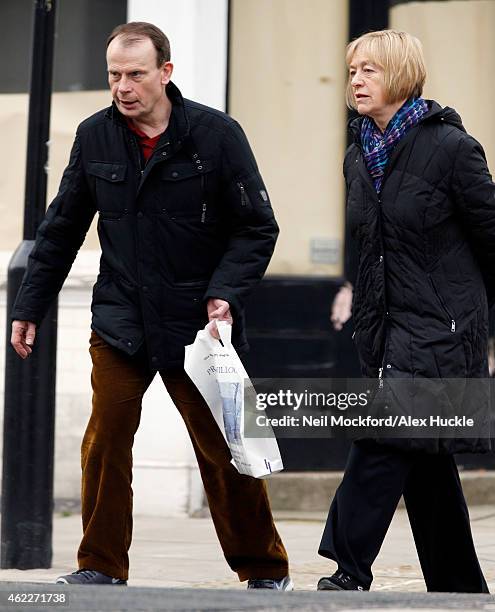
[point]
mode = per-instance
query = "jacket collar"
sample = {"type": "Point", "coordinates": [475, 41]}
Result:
{"type": "Point", "coordinates": [354, 127]}
{"type": "Point", "coordinates": [179, 122]}
{"type": "Point", "coordinates": [435, 113]}
{"type": "Point", "coordinates": [444, 114]}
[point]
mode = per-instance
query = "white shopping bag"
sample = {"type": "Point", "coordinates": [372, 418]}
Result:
{"type": "Point", "coordinates": [221, 379]}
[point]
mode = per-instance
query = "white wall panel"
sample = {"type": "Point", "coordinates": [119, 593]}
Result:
{"type": "Point", "coordinates": [197, 30]}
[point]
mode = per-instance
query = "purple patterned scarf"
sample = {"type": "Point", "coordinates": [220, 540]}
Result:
{"type": "Point", "coordinates": [378, 146]}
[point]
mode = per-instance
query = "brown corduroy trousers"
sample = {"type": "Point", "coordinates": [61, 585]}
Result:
{"type": "Point", "coordinates": [239, 504]}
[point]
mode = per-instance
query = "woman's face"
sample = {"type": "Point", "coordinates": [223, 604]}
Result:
{"type": "Point", "coordinates": [367, 85]}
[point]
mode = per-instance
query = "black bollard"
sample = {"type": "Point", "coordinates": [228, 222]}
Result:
{"type": "Point", "coordinates": [28, 440]}
{"type": "Point", "coordinates": [29, 413]}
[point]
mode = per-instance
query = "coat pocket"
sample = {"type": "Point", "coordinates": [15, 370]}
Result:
{"type": "Point", "coordinates": [448, 315]}
{"type": "Point", "coordinates": [187, 190]}
{"type": "Point", "coordinates": [109, 187]}
{"type": "Point", "coordinates": [193, 284]}
{"type": "Point", "coordinates": [244, 200]}
{"type": "Point", "coordinates": [248, 196]}
{"type": "Point", "coordinates": [183, 303]}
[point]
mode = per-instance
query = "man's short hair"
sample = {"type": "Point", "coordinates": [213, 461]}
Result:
{"type": "Point", "coordinates": [400, 55]}
{"type": "Point", "coordinates": [137, 31]}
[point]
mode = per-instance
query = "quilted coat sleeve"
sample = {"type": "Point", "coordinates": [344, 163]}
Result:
{"type": "Point", "coordinates": [58, 240]}
{"type": "Point", "coordinates": [253, 229]}
{"type": "Point", "coordinates": [475, 195]}
{"type": "Point", "coordinates": [351, 255]}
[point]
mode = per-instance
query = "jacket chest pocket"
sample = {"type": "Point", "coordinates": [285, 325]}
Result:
{"type": "Point", "coordinates": [110, 188]}
{"type": "Point", "coordinates": [187, 190]}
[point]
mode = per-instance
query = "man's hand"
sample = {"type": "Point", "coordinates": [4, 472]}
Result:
{"type": "Point", "coordinates": [341, 307]}
{"type": "Point", "coordinates": [22, 339]}
{"type": "Point", "coordinates": [218, 310]}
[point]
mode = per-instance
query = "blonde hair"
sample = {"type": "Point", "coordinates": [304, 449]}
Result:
{"type": "Point", "coordinates": [399, 55]}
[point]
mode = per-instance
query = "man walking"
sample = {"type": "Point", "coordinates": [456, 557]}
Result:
{"type": "Point", "coordinates": [186, 230]}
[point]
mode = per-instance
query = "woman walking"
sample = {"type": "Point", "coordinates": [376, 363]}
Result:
{"type": "Point", "coordinates": [421, 206]}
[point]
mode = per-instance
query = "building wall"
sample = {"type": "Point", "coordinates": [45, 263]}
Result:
{"type": "Point", "coordinates": [459, 44]}
{"type": "Point", "coordinates": [287, 77]}
{"type": "Point", "coordinates": [68, 110]}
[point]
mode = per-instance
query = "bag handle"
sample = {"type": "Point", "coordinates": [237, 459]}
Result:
{"type": "Point", "coordinates": [225, 332]}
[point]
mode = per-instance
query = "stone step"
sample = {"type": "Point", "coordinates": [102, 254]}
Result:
{"type": "Point", "coordinates": [313, 491]}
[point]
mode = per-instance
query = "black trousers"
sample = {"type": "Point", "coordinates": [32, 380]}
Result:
{"type": "Point", "coordinates": [365, 502]}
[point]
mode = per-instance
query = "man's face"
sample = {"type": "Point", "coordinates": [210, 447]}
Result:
{"type": "Point", "coordinates": [367, 85]}
{"type": "Point", "coordinates": [136, 83]}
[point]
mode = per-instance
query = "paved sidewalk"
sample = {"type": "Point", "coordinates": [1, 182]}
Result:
{"type": "Point", "coordinates": [184, 553]}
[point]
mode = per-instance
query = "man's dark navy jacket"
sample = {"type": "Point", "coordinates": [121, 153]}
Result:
{"type": "Point", "coordinates": [195, 222]}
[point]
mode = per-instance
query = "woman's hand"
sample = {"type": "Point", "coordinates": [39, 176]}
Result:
{"type": "Point", "coordinates": [341, 307]}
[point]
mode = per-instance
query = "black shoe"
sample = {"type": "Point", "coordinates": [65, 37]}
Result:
{"type": "Point", "coordinates": [284, 584]}
{"type": "Point", "coordinates": [340, 581]}
{"type": "Point", "coordinates": [84, 576]}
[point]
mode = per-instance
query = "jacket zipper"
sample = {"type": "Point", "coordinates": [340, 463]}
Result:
{"type": "Point", "coordinates": [203, 213]}
{"type": "Point", "coordinates": [378, 207]}
{"type": "Point", "coordinates": [452, 320]}
{"type": "Point", "coordinates": [135, 148]}
{"type": "Point", "coordinates": [244, 196]}
{"type": "Point", "coordinates": [382, 262]}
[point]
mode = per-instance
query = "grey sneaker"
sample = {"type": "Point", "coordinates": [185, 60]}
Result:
{"type": "Point", "coordinates": [84, 576]}
{"type": "Point", "coordinates": [284, 584]}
